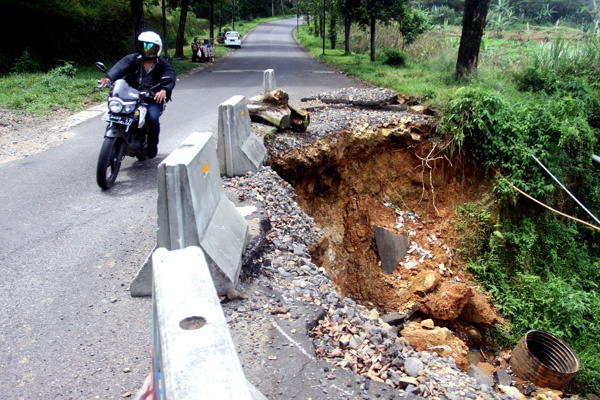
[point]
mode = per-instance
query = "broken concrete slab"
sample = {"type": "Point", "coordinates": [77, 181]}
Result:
{"type": "Point", "coordinates": [391, 247]}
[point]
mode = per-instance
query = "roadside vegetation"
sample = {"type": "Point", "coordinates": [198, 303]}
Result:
{"type": "Point", "coordinates": [536, 95]}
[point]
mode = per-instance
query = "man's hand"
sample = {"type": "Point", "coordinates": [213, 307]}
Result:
{"type": "Point", "coordinates": [104, 82]}
{"type": "Point", "coordinates": [161, 96]}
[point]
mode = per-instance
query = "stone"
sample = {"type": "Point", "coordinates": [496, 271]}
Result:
{"type": "Point", "coordinates": [480, 376]}
{"type": "Point", "coordinates": [412, 366]}
{"type": "Point", "coordinates": [394, 318]}
{"type": "Point", "coordinates": [448, 301]}
{"type": "Point", "coordinates": [405, 381]}
{"type": "Point", "coordinates": [502, 377]}
{"type": "Point", "coordinates": [438, 339]}
{"type": "Point", "coordinates": [425, 282]}
{"type": "Point", "coordinates": [428, 323]}
{"type": "Point", "coordinates": [479, 311]}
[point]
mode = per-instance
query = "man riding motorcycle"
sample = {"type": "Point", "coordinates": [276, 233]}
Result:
{"type": "Point", "coordinates": [142, 71]}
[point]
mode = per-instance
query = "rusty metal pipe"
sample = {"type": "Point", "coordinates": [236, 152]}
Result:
{"type": "Point", "coordinates": [544, 360]}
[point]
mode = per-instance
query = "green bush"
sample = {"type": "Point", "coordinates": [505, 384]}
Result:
{"type": "Point", "coordinates": [25, 63]}
{"type": "Point", "coordinates": [395, 57]}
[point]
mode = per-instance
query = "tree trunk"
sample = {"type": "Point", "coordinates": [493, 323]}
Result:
{"type": "Point", "coordinates": [470, 40]}
{"type": "Point", "coordinates": [373, 48]}
{"type": "Point", "coordinates": [137, 11]}
{"type": "Point", "coordinates": [347, 27]}
{"type": "Point", "coordinates": [181, 29]}
{"type": "Point", "coordinates": [273, 108]}
{"type": "Point", "coordinates": [211, 19]}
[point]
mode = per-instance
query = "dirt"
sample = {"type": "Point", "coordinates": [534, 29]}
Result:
{"type": "Point", "coordinates": [22, 135]}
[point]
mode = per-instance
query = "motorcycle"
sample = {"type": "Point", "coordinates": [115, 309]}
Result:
{"type": "Point", "coordinates": [127, 131]}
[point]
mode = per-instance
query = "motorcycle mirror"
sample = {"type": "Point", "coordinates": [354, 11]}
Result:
{"type": "Point", "coordinates": [101, 67]}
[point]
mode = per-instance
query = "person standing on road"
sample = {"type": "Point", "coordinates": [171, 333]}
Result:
{"type": "Point", "coordinates": [142, 71]}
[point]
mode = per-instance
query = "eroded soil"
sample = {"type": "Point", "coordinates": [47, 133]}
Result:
{"type": "Point", "coordinates": [394, 176]}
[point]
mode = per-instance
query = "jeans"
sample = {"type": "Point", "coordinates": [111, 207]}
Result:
{"type": "Point", "coordinates": [152, 119]}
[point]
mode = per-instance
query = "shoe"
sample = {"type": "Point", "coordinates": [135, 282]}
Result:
{"type": "Point", "coordinates": [152, 151]}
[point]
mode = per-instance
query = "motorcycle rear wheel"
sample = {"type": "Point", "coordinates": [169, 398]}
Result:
{"type": "Point", "coordinates": [109, 162]}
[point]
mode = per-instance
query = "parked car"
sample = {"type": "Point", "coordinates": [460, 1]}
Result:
{"type": "Point", "coordinates": [233, 39]}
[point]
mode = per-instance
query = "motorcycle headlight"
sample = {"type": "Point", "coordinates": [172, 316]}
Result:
{"type": "Point", "coordinates": [115, 106]}
{"type": "Point", "coordinates": [128, 108]}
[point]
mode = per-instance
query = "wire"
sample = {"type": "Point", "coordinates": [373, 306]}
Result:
{"type": "Point", "coordinates": [566, 190]}
{"type": "Point", "coordinates": [544, 205]}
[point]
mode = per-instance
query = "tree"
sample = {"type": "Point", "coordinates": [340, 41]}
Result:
{"type": "Point", "coordinates": [211, 18]}
{"type": "Point", "coordinates": [379, 10]}
{"type": "Point", "coordinates": [470, 40]}
{"type": "Point", "coordinates": [349, 9]}
{"type": "Point", "coordinates": [412, 23]}
{"type": "Point", "coordinates": [137, 13]}
{"type": "Point", "coordinates": [181, 29]}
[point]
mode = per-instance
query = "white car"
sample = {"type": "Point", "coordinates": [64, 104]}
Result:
{"type": "Point", "coordinates": [233, 39]}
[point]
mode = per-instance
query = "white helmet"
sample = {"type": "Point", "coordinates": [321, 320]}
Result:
{"type": "Point", "coordinates": [150, 44]}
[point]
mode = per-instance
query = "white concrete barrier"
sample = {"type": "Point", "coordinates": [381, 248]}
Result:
{"type": "Point", "coordinates": [239, 150]}
{"type": "Point", "coordinates": [194, 211]}
{"type": "Point", "coordinates": [194, 355]}
{"type": "Point", "coordinates": [269, 81]}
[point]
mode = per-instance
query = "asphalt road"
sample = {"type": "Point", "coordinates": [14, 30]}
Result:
{"type": "Point", "coordinates": [68, 327]}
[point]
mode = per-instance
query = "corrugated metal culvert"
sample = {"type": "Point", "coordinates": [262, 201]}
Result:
{"type": "Point", "coordinates": [544, 360]}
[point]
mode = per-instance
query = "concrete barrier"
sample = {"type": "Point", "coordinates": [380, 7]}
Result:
{"type": "Point", "coordinates": [194, 211]}
{"type": "Point", "coordinates": [194, 355]}
{"type": "Point", "coordinates": [269, 81]}
{"type": "Point", "coordinates": [239, 150]}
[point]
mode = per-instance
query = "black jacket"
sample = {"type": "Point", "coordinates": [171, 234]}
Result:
{"type": "Point", "coordinates": [130, 68]}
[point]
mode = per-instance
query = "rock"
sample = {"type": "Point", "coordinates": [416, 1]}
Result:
{"type": "Point", "coordinates": [394, 318]}
{"type": "Point", "coordinates": [280, 310]}
{"type": "Point", "coordinates": [373, 315]}
{"type": "Point", "coordinates": [427, 324]}
{"type": "Point", "coordinates": [480, 376]}
{"type": "Point", "coordinates": [419, 109]}
{"type": "Point", "coordinates": [424, 283]}
{"type": "Point", "coordinates": [502, 377]}
{"type": "Point", "coordinates": [511, 391]}
{"type": "Point", "coordinates": [412, 366]}
{"type": "Point", "coordinates": [474, 336]}
{"type": "Point", "coordinates": [440, 339]}
{"type": "Point", "coordinates": [405, 381]}
{"type": "Point", "coordinates": [479, 312]}
{"type": "Point", "coordinates": [233, 294]}
{"type": "Point", "coordinates": [448, 301]}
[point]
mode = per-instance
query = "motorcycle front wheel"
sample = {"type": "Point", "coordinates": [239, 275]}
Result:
{"type": "Point", "coordinates": [109, 162]}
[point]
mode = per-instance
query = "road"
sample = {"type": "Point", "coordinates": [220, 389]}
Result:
{"type": "Point", "coordinates": [69, 328]}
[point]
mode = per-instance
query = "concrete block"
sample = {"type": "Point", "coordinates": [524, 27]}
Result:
{"type": "Point", "coordinates": [196, 354]}
{"type": "Point", "coordinates": [239, 150]}
{"type": "Point", "coordinates": [269, 81]}
{"type": "Point", "coordinates": [194, 211]}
